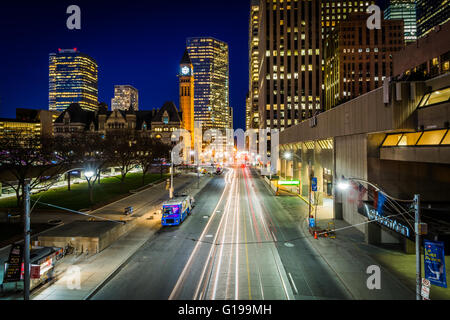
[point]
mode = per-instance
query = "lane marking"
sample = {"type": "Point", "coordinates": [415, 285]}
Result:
{"type": "Point", "coordinates": [189, 262]}
{"type": "Point", "coordinates": [246, 258]}
{"type": "Point", "coordinates": [293, 283]}
{"type": "Point", "coordinates": [212, 252]}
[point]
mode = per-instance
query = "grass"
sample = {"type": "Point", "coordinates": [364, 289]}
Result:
{"type": "Point", "coordinates": [109, 190]}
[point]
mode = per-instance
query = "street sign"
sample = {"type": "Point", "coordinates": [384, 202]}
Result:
{"type": "Point", "coordinates": [312, 222]}
{"type": "Point", "coordinates": [434, 257]}
{"type": "Point", "coordinates": [426, 285]}
{"type": "Point", "coordinates": [13, 271]}
{"type": "Point", "coordinates": [314, 184]}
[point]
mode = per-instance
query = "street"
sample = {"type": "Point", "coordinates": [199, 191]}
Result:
{"type": "Point", "coordinates": [239, 243]}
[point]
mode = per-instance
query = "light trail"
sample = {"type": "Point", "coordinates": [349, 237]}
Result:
{"type": "Point", "coordinates": [196, 248]}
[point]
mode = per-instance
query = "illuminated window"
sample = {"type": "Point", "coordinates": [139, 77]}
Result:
{"type": "Point", "coordinates": [446, 140]}
{"type": "Point", "coordinates": [431, 137]}
{"type": "Point", "coordinates": [392, 140]}
{"type": "Point", "coordinates": [409, 139]}
{"type": "Point", "coordinates": [435, 97]}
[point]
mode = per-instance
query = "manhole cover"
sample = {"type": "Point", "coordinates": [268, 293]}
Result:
{"type": "Point", "coordinates": [288, 244]}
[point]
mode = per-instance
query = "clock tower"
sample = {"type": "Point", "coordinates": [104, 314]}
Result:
{"type": "Point", "coordinates": [186, 76]}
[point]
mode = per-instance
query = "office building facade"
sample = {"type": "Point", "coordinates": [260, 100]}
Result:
{"type": "Point", "coordinates": [73, 78]}
{"type": "Point", "coordinates": [357, 59]}
{"type": "Point", "coordinates": [290, 55]}
{"type": "Point", "coordinates": [431, 13]}
{"type": "Point", "coordinates": [209, 58]}
{"type": "Point", "coordinates": [125, 97]}
{"type": "Point", "coordinates": [406, 11]}
{"type": "Point", "coordinates": [252, 113]}
{"type": "Point", "coordinates": [335, 11]}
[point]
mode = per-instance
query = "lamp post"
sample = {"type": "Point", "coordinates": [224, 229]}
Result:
{"type": "Point", "coordinates": [27, 237]}
{"type": "Point", "coordinates": [197, 167]}
{"type": "Point", "coordinates": [171, 175]}
{"type": "Point", "coordinates": [27, 231]}
{"type": "Point", "coordinates": [344, 185]}
{"type": "Point", "coordinates": [288, 156]}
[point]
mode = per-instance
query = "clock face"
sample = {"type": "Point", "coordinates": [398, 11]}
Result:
{"type": "Point", "coordinates": [185, 70]}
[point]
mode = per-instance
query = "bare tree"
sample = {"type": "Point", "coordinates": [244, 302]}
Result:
{"type": "Point", "coordinates": [92, 148]}
{"type": "Point", "coordinates": [28, 157]}
{"type": "Point", "coordinates": [150, 151]}
{"type": "Point", "coordinates": [121, 150]}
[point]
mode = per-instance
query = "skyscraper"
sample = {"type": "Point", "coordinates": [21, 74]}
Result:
{"type": "Point", "coordinates": [358, 59]}
{"type": "Point", "coordinates": [406, 11]}
{"type": "Point", "coordinates": [209, 58]}
{"type": "Point", "coordinates": [290, 53]}
{"type": "Point", "coordinates": [431, 13]}
{"type": "Point", "coordinates": [186, 78]}
{"type": "Point", "coordinates": [252, 114]}
{"type": "Point", "coordinates": [73, 78]}
{"type": "Point", "coordinates": [125, 96]}
{"type": "Point", "coordinates": [335, 11]}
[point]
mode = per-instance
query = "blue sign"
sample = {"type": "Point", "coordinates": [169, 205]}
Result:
{"type": "Point", "coordinates": [312, 222]}
{"type": "Point", "coordinates": [314, 184]}
{"type": "Point", "coordinates": [435, 263]}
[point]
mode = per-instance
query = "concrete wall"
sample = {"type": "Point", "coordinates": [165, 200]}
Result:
{"type": "Point", "coordinates": [351, 161]}
{"type": "Point", "coordinates": [431, 46]}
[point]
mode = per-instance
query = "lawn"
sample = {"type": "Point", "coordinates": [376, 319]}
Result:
{"type": "Point", "coordinates": [109, 190]}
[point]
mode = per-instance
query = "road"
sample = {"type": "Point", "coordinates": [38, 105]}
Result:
{"type": "Point", "coordinates": [239, 243]}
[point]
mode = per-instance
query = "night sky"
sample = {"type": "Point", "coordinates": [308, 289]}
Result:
{"type": "Point", "coordinates": [134, 42]}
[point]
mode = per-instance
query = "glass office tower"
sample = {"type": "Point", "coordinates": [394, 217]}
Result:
{"type": "Point", "coordinates": [406, 11]}
{"type": "Point", "coordinates": [73, 77]}
{"type": "Point", "coordinates": [209, 58]}
{"type": "Point", "coordinates": [431, 13]}
{"type": "Point", "coordinates": [125, 96]}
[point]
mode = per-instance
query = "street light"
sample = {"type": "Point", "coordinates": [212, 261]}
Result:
{"type": "Point", "coordinates": [89, 174]}
{"type": "Point", "coordinates": [171, 175]}
{"type": "Point", "coordinates": [27, 235]}
{"type": "Point", "coordinates": [344, 185]}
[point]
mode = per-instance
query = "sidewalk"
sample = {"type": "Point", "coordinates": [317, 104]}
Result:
{"type": "Point", "coordinates": [349, 257]}
{"type": "Point", "coordinates": [95, 270]}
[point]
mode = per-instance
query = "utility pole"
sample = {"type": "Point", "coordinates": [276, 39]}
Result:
{"type": "Point", "coordinates": [26, 264]}
{"type": "Point", "coordinates": [418, 255]}
{"type": "Point", "coordinates": [310, 189]}
{"type": "Point", "coordinates": [198, 173]}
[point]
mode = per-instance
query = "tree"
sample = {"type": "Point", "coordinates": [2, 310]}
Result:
{"type": "Point", "coordinates": [92, 150]}
{"type": "Point", "coordinates": [161, 153]}
{"type": "Point", "coordinates": [121, 151]}
{"type": "Point", "coordinates": [149, 151]}
{"type": "Point", "coordinates": [27, 157]}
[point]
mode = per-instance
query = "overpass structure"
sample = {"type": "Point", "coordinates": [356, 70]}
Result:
{"type": "Point", "coordinates": [396, 137]}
